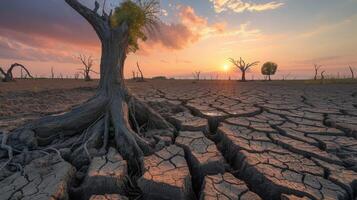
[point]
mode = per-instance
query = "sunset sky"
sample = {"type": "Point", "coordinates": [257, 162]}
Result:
{"type": "Point", "coordinates": [194, 35]}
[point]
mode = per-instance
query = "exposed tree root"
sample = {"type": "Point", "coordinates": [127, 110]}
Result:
{"type": "Point", "coordinates": [87, 131]}
{"type": "Point", "coordinates": [8, 148]}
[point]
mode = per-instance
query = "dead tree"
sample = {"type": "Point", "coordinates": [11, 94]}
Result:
{"type": "Point", "coordinates": [87, 62]}
{"type": "Point", "coordinates": [285, 77]}
{"type": "Point", "coordinates": [352, 72]}
{"type": "Point", "coordinates": [8, 76]}
{"type": "Point", "coordinates": [141, 79]}
{"type": "Point", "coordinates": [242, 66]}
{"type": "Point", "coordinates": [134, 75]}
{"type": "Point", "coordinates": [323, 76]}
{"type": "Point", "coordinates": [86, 130]}
{"type": "Point", "coordinates": [196, 75]}
{"type": "Point", "coordinates": [317, 68]}
{"type": "Point", "coordinates": [52, 73]}
{"type": "Point", "coordinates": [76, 76]}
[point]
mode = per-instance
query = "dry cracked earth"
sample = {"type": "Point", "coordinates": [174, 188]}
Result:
{"type": "Point", "coordinates": [232, 140]}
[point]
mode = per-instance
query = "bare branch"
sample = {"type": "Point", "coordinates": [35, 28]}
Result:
{"type": "Point", "coordinates": [100, 25]}
{"type": "Point", "coordinates": [317, 67]}
{"type": "Point", "coordinates": [2, 72]}
{"type": "Point", "coordinates": [352, 72]}
{"type": "Point", "coordinates": [242, 65]}
{"type": "Point", "coordinates": [87, 61]}
{"type": "Point", "coordinates": [141, 73]}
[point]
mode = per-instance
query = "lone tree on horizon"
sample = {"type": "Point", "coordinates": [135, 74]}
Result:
{"type": "Point", "coordinates": [269, 68]}
{"type": "Point", "coordinates": [242, 66]}
{"type": "Point", "coordinates": [317, 68]}
{"type": "Point", "coordinates": [107, 112]}
{"type": "Point", "coordinates": [196, 75]}
{"type": "Point", "coordinates": [87, 62]}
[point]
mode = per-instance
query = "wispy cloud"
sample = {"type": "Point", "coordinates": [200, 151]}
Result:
{"type": "Point", "coordinates": [241, 6]}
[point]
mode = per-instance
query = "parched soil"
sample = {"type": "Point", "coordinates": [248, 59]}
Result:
{"type": "Point", "coordinates": [232, 140]}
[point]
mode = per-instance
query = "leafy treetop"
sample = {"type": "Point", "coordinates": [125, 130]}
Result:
{"type": "Point", "coordinates": [269, 68]}
{"type": "Point", "coordinates": [140, 16]}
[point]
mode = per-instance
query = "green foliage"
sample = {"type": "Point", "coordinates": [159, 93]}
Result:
{"type": "Point", "coordinates": [269, 68]}
{"type": "Point", "coordinates": [137, 16]}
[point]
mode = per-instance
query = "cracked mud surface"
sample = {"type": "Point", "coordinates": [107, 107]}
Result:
{"type": "Point", "coordinates": [232, 141]}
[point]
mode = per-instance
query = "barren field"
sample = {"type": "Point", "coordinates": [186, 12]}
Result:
{"type": "Point", "coordinates": [232, 140]}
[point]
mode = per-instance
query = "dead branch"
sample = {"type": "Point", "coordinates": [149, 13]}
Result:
{"type": "Point", "coordinates": [317, 67]}
{"type": "Point", "coordinates": [134, 75]}
{"type": "Point", "coordinates": [52, 73]}
{"type": "Point", "coordinates": [8, 76]}
{"type": "Point", "coordinates": [352, 72]}
{"type": "Point", "coordinates": [322, 76]}
{"type": "Point", "coordinates": [196, 75]}
{"type": "Point", "coordinates": [141, 79]}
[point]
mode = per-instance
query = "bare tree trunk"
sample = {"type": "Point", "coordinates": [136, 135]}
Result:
{"type": "Point", "coordinates": [322, 77]}
{"type": "Point", "coordinates": [269, 77]}
{"type": "Point", "coordinates": [243, 75]}
{"type": "Point", "coordinates": [52, 73]}
{"type": "Point", "coordinates": [87, 77]}
{"type": "Point", "coordinates": [352, 72]}
{"type": "Point", "coordinates": [315, 77]}
{"type": "Point", "coordinates": [141, 73]}
{"type": "Point", "coordinates": [134, 76]}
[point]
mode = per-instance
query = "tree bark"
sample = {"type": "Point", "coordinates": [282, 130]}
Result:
{"type": "Point", "coordinates": [109, 106]}
{"type": "Point", "coordinates": [243, 76]}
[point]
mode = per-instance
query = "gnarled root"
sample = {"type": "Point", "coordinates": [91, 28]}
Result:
{"type": "Point", "coordinates": [87, 130]}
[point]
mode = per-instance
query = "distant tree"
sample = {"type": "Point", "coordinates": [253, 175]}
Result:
{"type": "Point", "coordinates": [76, 75]}
{"type": "Point", "coordinates": [196, 75]}
{"type": "Point", "coordinates": [8, 76]}
{"type": "Point", "coordinates": [317, 67]}
{"type": "Point", "coordinates": [322, 76]}
{"type": "Point", "coordinates": [134, 75]}
{"type": "Point", "coordinates": [352, 72]}
{"type": "Point", "coordinates": [87, 62]}
{"type": "Point", "coordinates": [285, 77]}
{"type": "Point", "coordinates": [269, 68]}
{"type": "Point", "coordinates": [242, 66]}
{"type": "Point", "coordinates": [141, 73]}
{"type": "Point", "coordinates": [52, 73]}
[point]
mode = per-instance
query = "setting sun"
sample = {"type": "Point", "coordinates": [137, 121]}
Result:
{"type": "Point", "coordinates": [226, 67]}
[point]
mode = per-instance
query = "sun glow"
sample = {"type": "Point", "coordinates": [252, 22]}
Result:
{"type": "Point", "coordinates": [225, 67]}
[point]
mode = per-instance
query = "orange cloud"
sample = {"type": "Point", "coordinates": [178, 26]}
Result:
{"type": "Point", "coordinates": [178, 35]}
{"type": "Point", "coordinates": [172, 36]}
{"type": "Point", "coordinates": [188, 16]}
